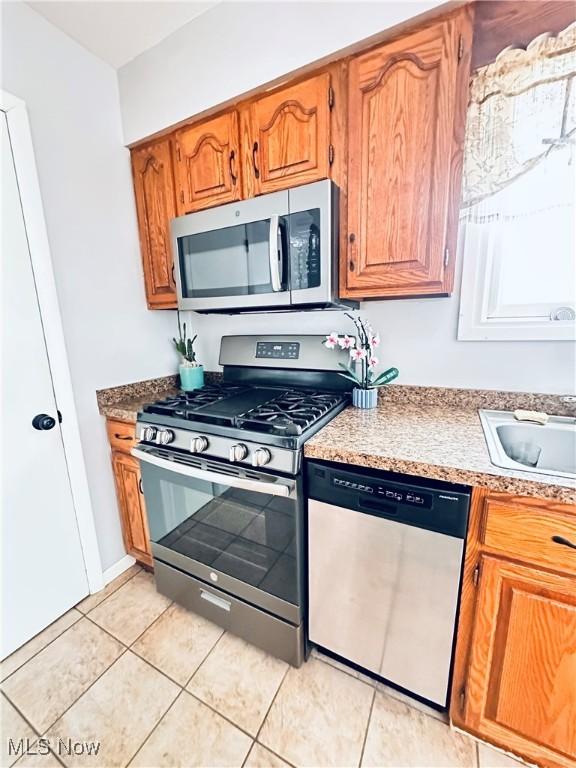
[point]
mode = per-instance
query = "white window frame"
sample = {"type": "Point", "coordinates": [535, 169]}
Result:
{"type": "Point", "coordinates": [475, 323]}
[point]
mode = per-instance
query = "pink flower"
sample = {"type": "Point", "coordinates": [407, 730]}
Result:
{"type": "Point", "coordinates": [348, 342]}
{"type": "Point", "coordinates": [357, 354]}
{"type": "Point", "coordinates": [331, 340]}
{"type": "Point", "coordinates": [372, 361]}
{"type": "Point", "coordinates": [375, 341]}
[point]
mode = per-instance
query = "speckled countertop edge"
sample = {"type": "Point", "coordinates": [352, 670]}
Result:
{"type": "Point", "coordinates": [125, 401]}
{"type": "Point", "coordinates": [428, 439]}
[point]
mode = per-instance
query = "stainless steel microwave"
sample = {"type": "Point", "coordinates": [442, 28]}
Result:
{"type": "Point", "coordinates": [277, 251]}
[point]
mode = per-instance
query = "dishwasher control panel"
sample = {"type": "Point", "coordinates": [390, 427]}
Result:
{"type": "Point", "coordinates": [389, 492]}
{"type": "Point", "coordinates": [428, 504]}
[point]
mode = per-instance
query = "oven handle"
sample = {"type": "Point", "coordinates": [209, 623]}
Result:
{"type": "Point", "coordinates": [270, 487]}
{"type": "Point", "coordinates": [275, 262]}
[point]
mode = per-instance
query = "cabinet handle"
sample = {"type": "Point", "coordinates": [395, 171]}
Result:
{"type": "Point", "coordinates": [254, 153]}
{"type": "Point", "coordinates": [230, 163]}
{"type": "Point", "coordinates": [121, 437]}
{"type": "Point", "coordinates": [351, 262]}
{"type": "Point", "coordinates": [173, 276]}
{"type": "Point", "coordinates": [563, 541]}
{"type": "Point", "coordinates": [140, 486]}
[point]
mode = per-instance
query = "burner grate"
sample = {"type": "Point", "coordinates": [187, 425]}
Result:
{"type": "Point", "coordinates": [290, 413]}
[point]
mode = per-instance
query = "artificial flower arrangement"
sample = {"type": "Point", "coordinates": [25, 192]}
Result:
{"type": "Point", "coordinates": [363, 362]}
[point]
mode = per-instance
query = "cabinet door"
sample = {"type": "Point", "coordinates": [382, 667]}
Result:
{"type": "Point", "coordinates": [132, 509]}
{"type": "Point", "coordinates": [286, 137]}
{"type": "Point", "coordinates": [208, 163]}
{"type": "Point", "coordinates": [406, 107]}
{"type": "Point", "coordinates": [155, 205]}
{"type": "Point", "coordinates": [521, 689]}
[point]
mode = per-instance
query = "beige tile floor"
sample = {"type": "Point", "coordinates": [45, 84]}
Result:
{"type": "Point", "coordinates": [159, 686]}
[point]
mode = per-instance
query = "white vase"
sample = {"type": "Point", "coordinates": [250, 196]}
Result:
{"type": "Point", "coordinates": [365, 398]}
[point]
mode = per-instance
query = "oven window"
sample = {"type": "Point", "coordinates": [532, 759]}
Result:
{"type": "Point", "coordinates": [234, 261]}
{"type": "Point", "coordinates": [247, 535]}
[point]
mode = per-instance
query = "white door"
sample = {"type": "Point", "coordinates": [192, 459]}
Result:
{"type": "Point", "coordinates": [43, 571]}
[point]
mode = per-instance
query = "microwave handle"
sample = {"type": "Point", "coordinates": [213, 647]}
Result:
{"type": "Point", "coordinates": [276, 254]}
{"type": "Point", "coordinates": [271, 487]}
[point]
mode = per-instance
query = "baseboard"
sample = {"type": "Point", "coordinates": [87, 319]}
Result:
{"type": "Point", "coordinates": [115, 570]}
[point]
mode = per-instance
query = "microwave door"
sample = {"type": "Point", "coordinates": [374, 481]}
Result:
{"type": "Point", "coordinates": [312, 238]}
{"type": "Point", "coordinates": [233, 257]}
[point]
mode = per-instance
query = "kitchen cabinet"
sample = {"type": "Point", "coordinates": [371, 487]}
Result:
{"type": "Point", "coordinates": [208, 163]}
{"type": "Point", "coordinates": [129, 491]}
{"type": "Point", "coordinates": [406, 115]}
{"type": "Point", "coordinates": [154, 190]}
{"type": "Point", "coordinates": [516, 650]}
{"type": "Point", "coordinates": [286, 136]}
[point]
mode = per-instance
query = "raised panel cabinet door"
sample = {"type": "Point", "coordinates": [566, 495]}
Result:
{"type": "Point", "coordinates": [521, 689]}
{"type": "Point", "coordinates": [155, 205]}
{"type": "Point", "coordinates": [406, 108]}
{"type": "Point", "coordinates": [132, 509]}
{"type": "Point", "coordinates": [208, 163]}
{"type": "Point", "coordinates": [286, 137]}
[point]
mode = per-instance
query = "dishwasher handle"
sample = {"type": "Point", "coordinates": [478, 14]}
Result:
{"type": "Point", "coordinates": [377, 508]}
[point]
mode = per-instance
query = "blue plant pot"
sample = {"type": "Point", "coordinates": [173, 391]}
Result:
{"type": "Point", "coordinates": [364, 398]}
{"type": "Point", "coordinates": [191, 378]}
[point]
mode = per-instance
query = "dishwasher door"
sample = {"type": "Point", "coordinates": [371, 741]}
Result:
{"type": "Point", "coordinates": [384, 595]}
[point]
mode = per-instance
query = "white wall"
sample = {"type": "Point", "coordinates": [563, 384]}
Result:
{"type": "Point", "coordinates": [84, 173]}
{"type": "Point", "coordinates": [237, 46]}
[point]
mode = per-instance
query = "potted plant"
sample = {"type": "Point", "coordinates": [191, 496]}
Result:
{"type": "Point", "coordinates": [363, 362]}
{"type": "Point", "coordinates": [191, 372]}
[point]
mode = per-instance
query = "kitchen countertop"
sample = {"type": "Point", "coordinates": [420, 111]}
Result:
{"type": "Point", "coordinates": [429, 438]}
{"type": "Point", "coordinates": [125, 401]}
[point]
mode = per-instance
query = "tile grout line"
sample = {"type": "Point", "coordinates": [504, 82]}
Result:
{"type": "Point", "coordinates": [81, 616]}
{"type": "Point", "coordinates": [111, 593]}
{"type": "Point", "coordinates": [220, 714]}
{"type": "Point", "coordinates": [266, 717]}
{"type": "Point", "coordinates": [162, 716]}
{"type": "Point", "coordinates": [69, 707]}
{"type": "Point", "coordinates": [367, 729]}
{"type": "Point", "coordinates": [199, 667]}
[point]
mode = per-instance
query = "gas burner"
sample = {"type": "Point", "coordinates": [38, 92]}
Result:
{"type": "Point", "coordinates": [290, 413]}
{"type": "Point", "coordinates": [184, 405]}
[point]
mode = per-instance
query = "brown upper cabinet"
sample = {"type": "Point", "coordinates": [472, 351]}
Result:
{"type": "Point", "coordinates": [208, 163]}
{"type": "Point", "coordinates": [155, 206]}
{"type": "Point", "coordinates": [407, 106]}
{"type": "Point", "coordinates": [286, 136]}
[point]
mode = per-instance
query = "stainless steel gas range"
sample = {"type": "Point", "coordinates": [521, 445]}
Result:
{"type": "Point", "coordinates": [222, 479]}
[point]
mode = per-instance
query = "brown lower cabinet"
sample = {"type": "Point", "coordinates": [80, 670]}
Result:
{"type": "Point", "coordinates": [515, 669]}
{"type": "Point", "coordinates": [129, 491]}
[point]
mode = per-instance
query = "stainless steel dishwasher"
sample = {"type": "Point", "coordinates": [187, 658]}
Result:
{"type": "Point", "coordinates": [385, 561]}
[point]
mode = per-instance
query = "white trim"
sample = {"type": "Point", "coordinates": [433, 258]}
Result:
{"type": "Point", "coordinates": [115, 570]}
{"type": "Point", "coordinates": [474, 322]}
{"type": "Point", "coordinates": [27, 176]}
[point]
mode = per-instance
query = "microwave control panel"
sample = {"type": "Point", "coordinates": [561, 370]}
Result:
{"type": "Point", "coordinates": [278, 350]}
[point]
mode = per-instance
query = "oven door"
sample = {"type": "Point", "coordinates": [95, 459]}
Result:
{"type": "Point", "coordinates": [233, 257]}
{"type": "Point", "coordinates": [229, 526]}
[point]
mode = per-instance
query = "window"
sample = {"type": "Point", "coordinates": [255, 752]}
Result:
{"type": "Point", "coordinates": [517, 228]}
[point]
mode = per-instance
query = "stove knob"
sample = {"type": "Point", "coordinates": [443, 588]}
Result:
{"type": "Point", "coordinates": [198, 444]}
{"type": "Point", "coordinates": [238, 452]}
{"type": "Point", "coordinates": [260, 457]}
{"type": "Point", "coordinates": [148, 434]}
{"type": "Point", "coordinates": [164, 436]}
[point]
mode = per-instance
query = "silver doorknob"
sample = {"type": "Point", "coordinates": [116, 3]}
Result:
{"type": "Point", "coordinates": [260, 457]}
{"type": "Point", "coordinates": [198, 444]}
{"type": "Point", "coordinates": [238, 452]}
{"type": "Point", "coordinates": [164, 436]}
{"type": "Point", "coordinates": [148, 434]}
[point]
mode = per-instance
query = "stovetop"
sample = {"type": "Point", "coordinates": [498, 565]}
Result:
{"type": "Point", "coordinates": [274, 411]}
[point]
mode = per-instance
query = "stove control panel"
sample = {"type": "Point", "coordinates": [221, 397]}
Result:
{"type": "Point", "coordinates": [278, 350]}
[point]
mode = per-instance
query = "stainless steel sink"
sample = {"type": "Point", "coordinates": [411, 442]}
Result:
{"type": "Point", "coordinates": [548, 449]}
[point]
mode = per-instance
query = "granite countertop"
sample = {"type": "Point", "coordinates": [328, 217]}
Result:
{"type": "Point", "coordinates": [439, 438]}
{"type": "Point", "coordinates": [125, 401]}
